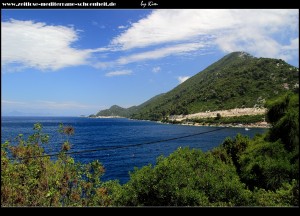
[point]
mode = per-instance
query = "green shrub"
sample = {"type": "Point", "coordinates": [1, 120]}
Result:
{"type": "Point", "coordinates": [29, 178]}
{"type": "Point", "coordinates": [185, 178]}
{"type": "Point", "coordinates": [287, 195]}
{"type": "Point", "coordinates": [235, 148]}
{"type": "Point", "coordinates": [284, 116]}
{"type": "Point", "coordinates": [266, 165]}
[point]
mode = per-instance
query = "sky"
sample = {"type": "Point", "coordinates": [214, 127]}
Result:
{"type": "Point", "coordinates": [71, 62]}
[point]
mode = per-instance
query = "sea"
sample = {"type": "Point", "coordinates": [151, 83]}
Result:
{"type": "Point", "coordinates": [120, 144]}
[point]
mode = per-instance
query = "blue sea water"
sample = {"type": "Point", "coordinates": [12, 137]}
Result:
{"type": "Point", "coordinates": [92, 133]}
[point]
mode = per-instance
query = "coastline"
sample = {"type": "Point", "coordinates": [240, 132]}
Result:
{"type": "Point", "coordinates": [237, 112]}
{"type": "Point", "coordinates": [107, 117]}
{"type": "Point", "coordinates": [184, 119]}
{"type": "Point", "coordinates": [241, 125]}
{"type": "Point", "coordinates": [224, 113]}
{"type": "Point", "coordinates": [252, 125]}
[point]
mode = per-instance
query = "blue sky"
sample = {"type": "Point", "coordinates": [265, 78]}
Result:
{"type": "Point", "coordinates": [77, 62]}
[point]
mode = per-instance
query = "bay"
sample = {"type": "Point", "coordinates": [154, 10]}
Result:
{"type": "Point", "coordinates": [93, 133]}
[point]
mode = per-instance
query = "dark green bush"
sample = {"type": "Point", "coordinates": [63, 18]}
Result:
{"type": "Point", "coordinates": [185, 178]}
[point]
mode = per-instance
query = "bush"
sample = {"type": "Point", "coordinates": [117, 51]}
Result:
{"type": "Point", "coordinates": [272, 160]}
{"type": "Point", "coordinates": [235, 148]}
{"type": "Point", "coordinates": [185, 178]}
{"type": "Point", "coordinates": [30, 178]}
{"type": "Point", "coordinates": [266, 165]}
{"type": "Point", "coordinates": [287, 195]}
{"type": "Point", "coordinates": [284, 116]}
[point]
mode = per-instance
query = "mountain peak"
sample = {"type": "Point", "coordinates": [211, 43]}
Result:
{"type": "Point", "coordinates": [240, 54]}
{"type": "Point", "coordinates": [115, 107]}
{"type": "Point", "coordinates": [230, 59]}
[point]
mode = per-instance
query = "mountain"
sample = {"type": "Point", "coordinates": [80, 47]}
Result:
{"type": "Point", "coordinates": [116, 110]}
{"type": "Point", "coordinates": [237, 80]}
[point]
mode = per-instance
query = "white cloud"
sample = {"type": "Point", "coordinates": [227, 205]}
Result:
{"type": "Point", "coordinates": [250, 30]}
{"type": "Point", "coordinates": [156, 69]}
{"type": "Point", "coordinates": [119, 73]}
{"type": "Point", "coordinates": [178, 49]}
{"type": "Point", "coordinates": [259, 44]}
{"type": "Point", "coordinates": [163, 26]}
{"type": "Point", "coordinates": [181, 79]}
{"type": "Point", "coordinates": [264, 33]}
{"type": "Point", "coordinates": [37, 45]}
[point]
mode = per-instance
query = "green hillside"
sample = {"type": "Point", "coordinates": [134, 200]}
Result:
{"type": "Point", "coordinates": [116, 110]}
{"type": "Point", "coordinates": [237, 80]}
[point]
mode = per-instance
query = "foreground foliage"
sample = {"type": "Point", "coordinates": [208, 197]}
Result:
{"type": "Point", "coordinates": [185, 178]}
{"type": "Point", "coordinates": [30, 180]}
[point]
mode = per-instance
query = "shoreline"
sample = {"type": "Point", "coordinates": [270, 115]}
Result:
{"type": "Point", "coordinates": [224, 113]}
{"type": "Point", "coordinates": [240, 125]}
{"type": "Point", "coordinates": [107, 117]}
{"type": "Point", "coordinates": [237, 112]}
{"type": "Point", "coordinates": [253, 125]}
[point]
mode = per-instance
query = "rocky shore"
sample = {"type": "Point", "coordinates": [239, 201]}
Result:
{"type": "Point", "coordinates": [223, 113]}
{"type": "Point", "coordinates": [253, 125]}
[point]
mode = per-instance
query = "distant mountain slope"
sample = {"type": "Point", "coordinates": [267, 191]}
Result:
{"type": "Point", "coordinates": [235, 81]}
{"type": "Point", "coordinates": [116, 110]}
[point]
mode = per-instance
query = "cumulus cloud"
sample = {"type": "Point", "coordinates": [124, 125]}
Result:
{"type": "Point", "coordinates": [254, 31]}
{"type": "Point", "coordinates": [163, 26]}
{"type": "Point", "coordinates": [37, 45]}
{"type": "Point", "coordinates": [181, 79]}
{"type": "Point", "coordinates": [259, 44]}
{"type": "Point", "coordinates": [156, 69]}
{"type": "Point", "coordinates": [119, 73]}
